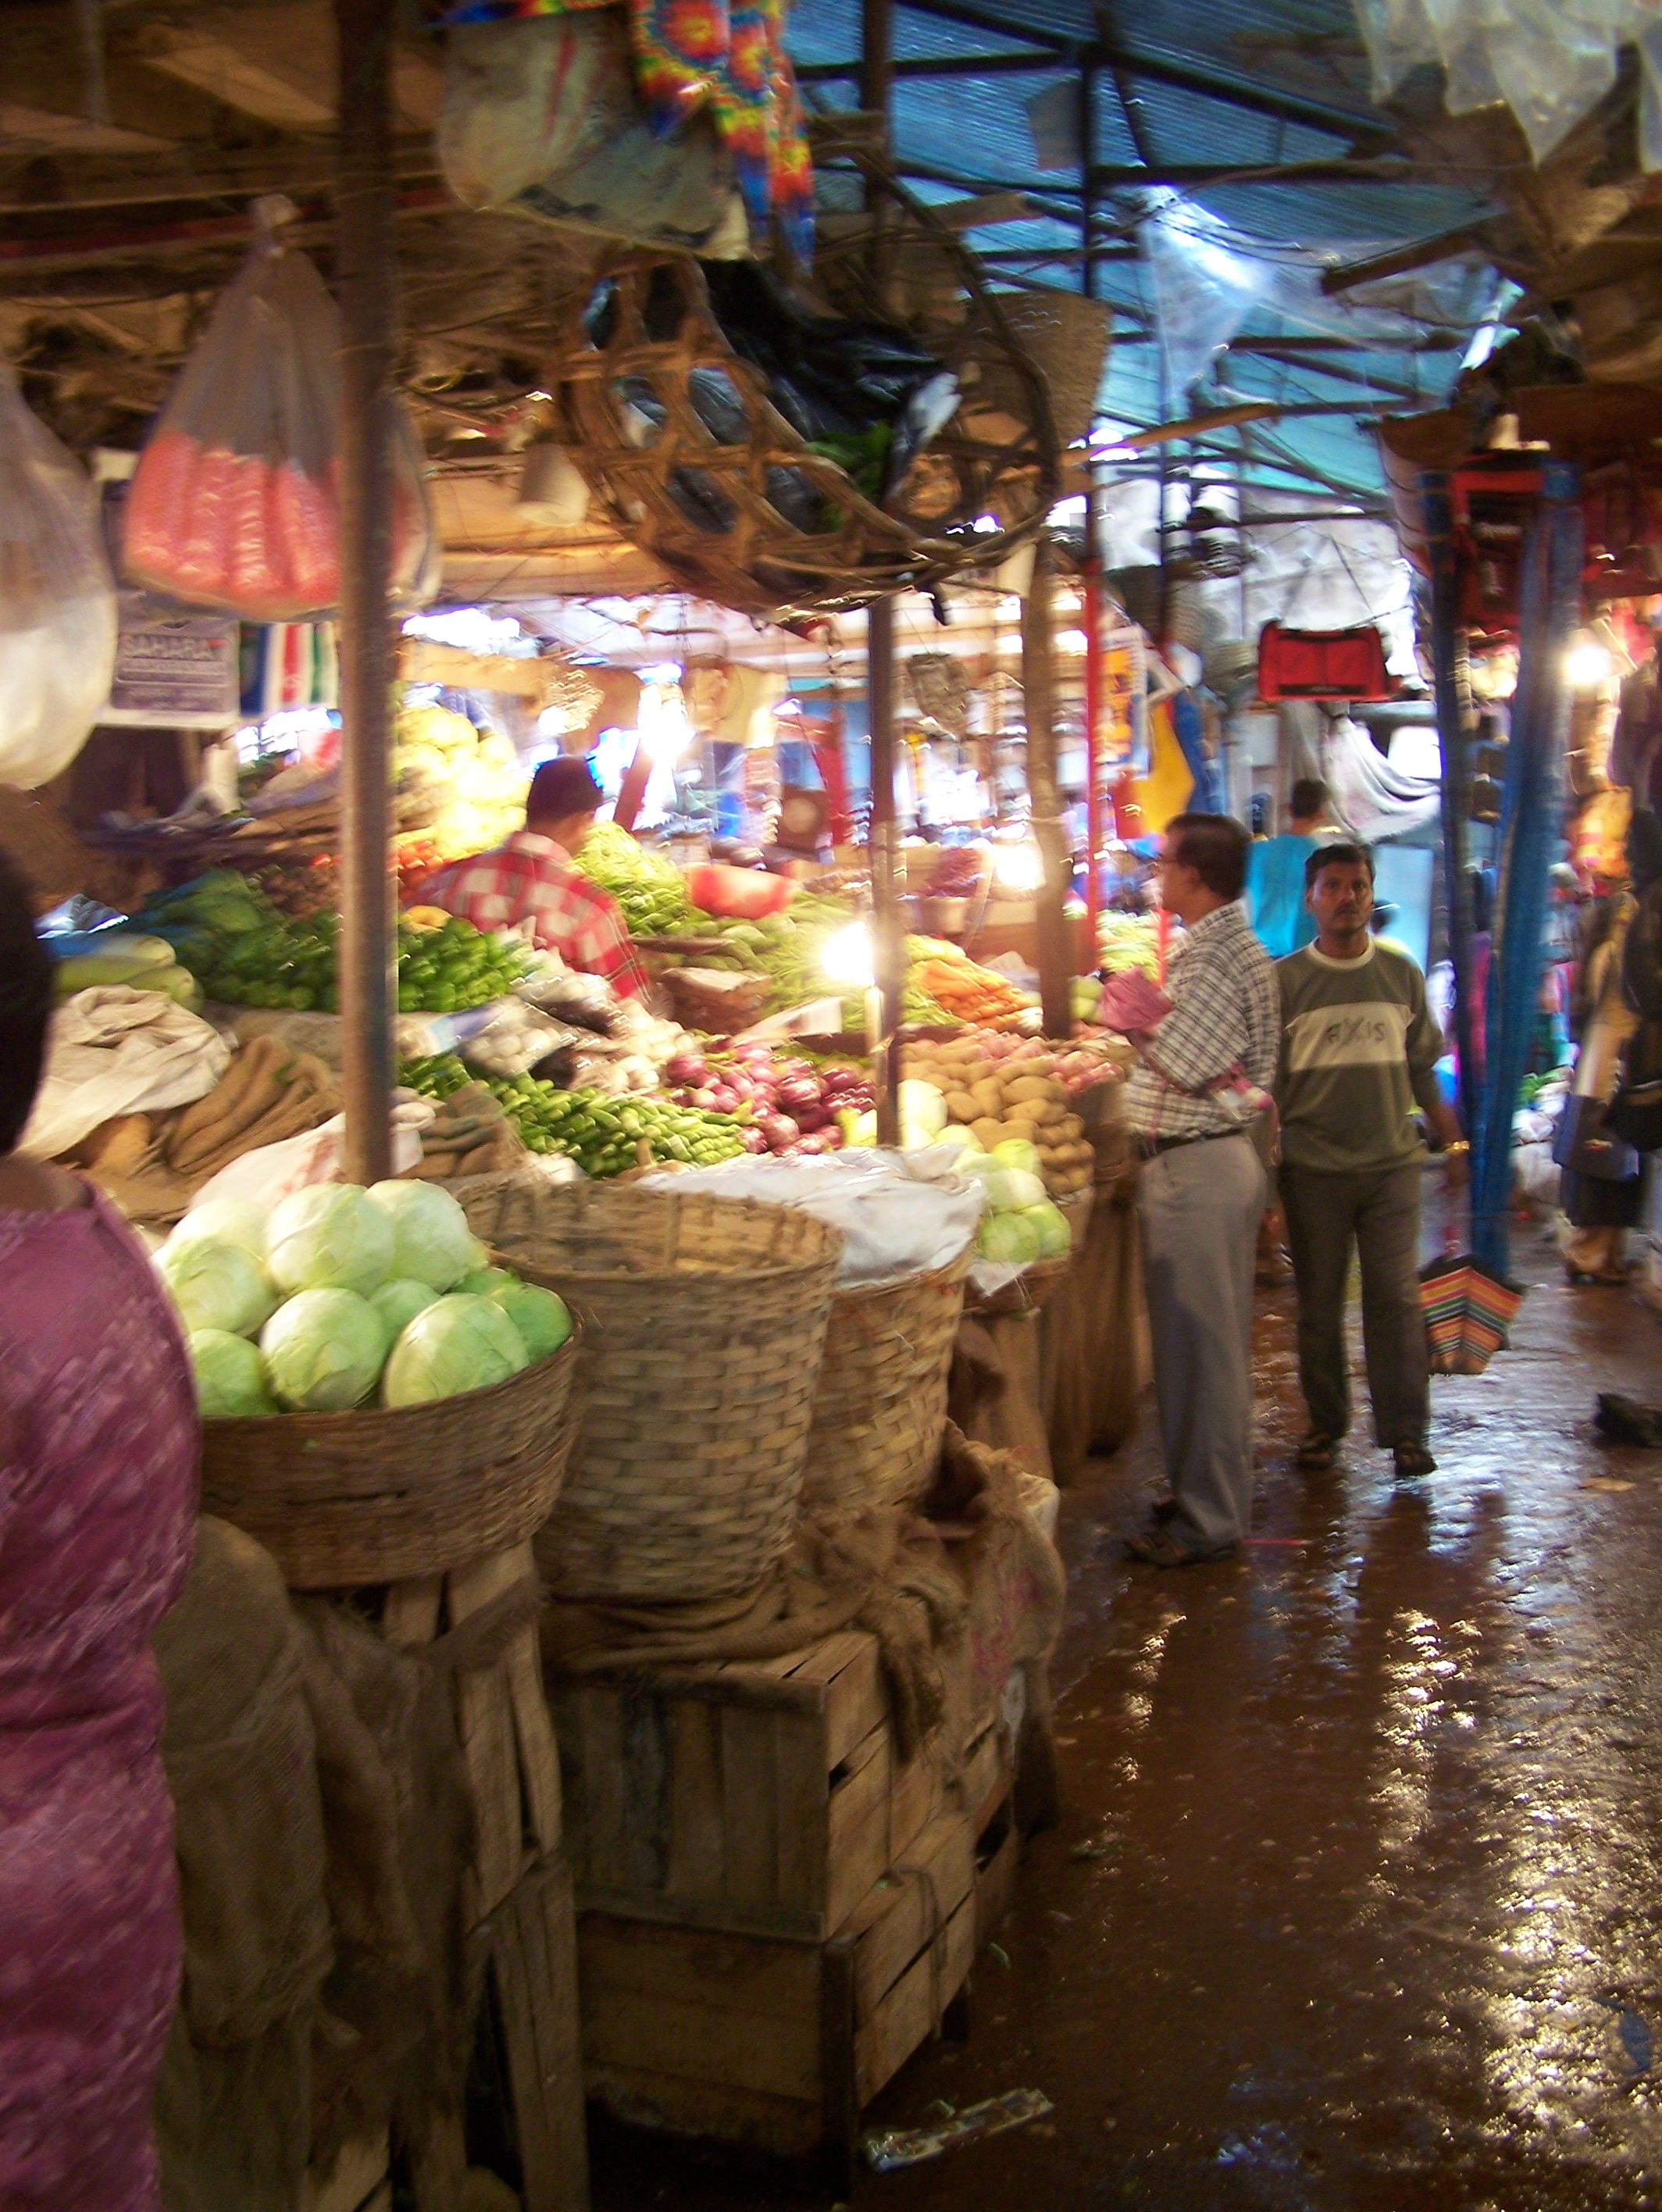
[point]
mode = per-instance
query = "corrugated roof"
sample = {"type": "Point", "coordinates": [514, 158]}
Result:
{"type": "Point", "coordinates": [1199, 77]}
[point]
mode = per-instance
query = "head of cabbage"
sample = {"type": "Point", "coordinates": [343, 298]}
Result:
{"type": "Point", "coordinates": [485, 1282]}
{"type": "Point", "coordinates": [1007, 1237]}
{"type": "Point", "coordinates": [399, 1302]}
{"type": "Point", "coordinates": [1019, 1153]}
{"type": "Point", "coordinates": [461, 1342]}
{"type": "Point", "coordinates": [1009, 1190]}
{"type": "Point", "coordinates": [431, 1240]}
{"type": "Point", "coordinates": [230, 1376]}
{"type": "Point", "coordinates": [1051, 1225]}
{"type": "Point", "coordinates": [225, 1221]}
{"type": "Point", "coordinates": [330, 1237]}
{"type": "Point", "coordinates": [542, 1317]}
{"type": "Point", "coordinates": [217, 1286]}
{"type": "Point", "coordinates": [922, 1111]}
{"type": "Point", "coordinates": [323, 1350]}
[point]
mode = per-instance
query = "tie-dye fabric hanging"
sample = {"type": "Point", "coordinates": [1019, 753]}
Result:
{"type": "Point", "coordinates": [727, 55]}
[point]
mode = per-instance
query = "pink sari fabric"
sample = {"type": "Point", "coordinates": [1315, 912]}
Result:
{"type": "Point", "coordinates": [99, 1448]}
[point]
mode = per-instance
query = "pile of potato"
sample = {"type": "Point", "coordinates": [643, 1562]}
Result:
{"type": "Point", "coordinates": [998, 1096]}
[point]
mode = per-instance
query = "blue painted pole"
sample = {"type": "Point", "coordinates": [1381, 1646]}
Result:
{"type": "Point", "coordinates": [1531, 827]}
{"type": "Point", "coordinates": [1449, 677]}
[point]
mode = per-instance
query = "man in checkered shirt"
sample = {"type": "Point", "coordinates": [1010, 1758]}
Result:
{"type": "Point", "coordinates": [1195, 1106]}
{"type": "Point", "coordinates": [531, 879]}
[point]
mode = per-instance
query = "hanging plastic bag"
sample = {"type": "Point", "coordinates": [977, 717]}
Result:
{"type": "Point", "coordinates": [57, 610]}
{"type": "Point", "coordinates": [235, 502]}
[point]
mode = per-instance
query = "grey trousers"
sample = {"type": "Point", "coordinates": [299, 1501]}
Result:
{"type": "Point", "coordinates": [1199, 1207]}
{"type": "Point", "coordinates": [1378, 1215]}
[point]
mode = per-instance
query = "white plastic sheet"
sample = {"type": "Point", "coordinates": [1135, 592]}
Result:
{"type": "Point", "coordinates": [1549, 60]}
{"type": "Point", "coordinates": [57, 606]}
{"type": "Point", "coordinates": [900, 1213]}
{"type": "Point", "coordinates": [115, 1051]}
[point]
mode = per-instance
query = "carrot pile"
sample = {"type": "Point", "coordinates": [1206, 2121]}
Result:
{"type": "Point", "coordinates": [969, 992]}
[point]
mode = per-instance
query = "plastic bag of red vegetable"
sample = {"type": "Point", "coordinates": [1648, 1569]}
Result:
{"type": "Point", "coordinates": [235, 502]}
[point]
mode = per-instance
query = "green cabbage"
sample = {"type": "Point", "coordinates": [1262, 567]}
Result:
{"type": "Point", "coordinates": [324, 1350]}
{"type": "Point", "coordinates": [1009, 1190]}
{"type": "Point", "coordinates": [331, 1237]}
{"type": "Point", "coordinates": [485, 1282]}
{"type": "Point", "coordinates": [431, 1240]}
{"type": "Point", "coordinates": [230, 1376]}
{"type": "Point", "coordinates": [1055, 1237]}
{"type": "Point", "coordinates": [399, 1302]}
{"type": "Point", "coordinates": [1017, 1153]}
{"type": "Point", "coordinates": [217, 1286]}
{"type": "Point", "coordinates": [462, 1342]}
{"type": "Point", "coordinates": [542, 1318]}
{"type": "Point", "coordinates": [922, 1108]}
{"type": "Point", "coordinates": [1007, 1237]}
{"type": "Point", "coordinates": [225, 1221]}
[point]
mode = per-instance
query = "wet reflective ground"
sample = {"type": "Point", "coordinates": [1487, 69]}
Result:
{"type": "Point", "coordinates": [1356, 1901]}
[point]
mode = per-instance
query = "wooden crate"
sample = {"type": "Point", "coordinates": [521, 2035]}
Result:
{"type": "Point", "coordinates": [774, 2041]}
{"type": "Point", "coordinates": [501, 1717]}
{"type": "Point", "coordinates": [762, 1798]}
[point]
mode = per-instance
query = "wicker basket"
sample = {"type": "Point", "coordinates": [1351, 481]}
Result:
{"type": "Point", "coordinates": [713, 1001]}
{"type": "Point", "coordinates": [880, 1406]}
{"type": "Point", "coordinates": [1040, 1279]}
{"type": "Point", "coordinates": [344, 1499]}
{"type": "Point", "coordinates": [753, 518]}
{"type": "Point", "coordinates": [704, 1322]}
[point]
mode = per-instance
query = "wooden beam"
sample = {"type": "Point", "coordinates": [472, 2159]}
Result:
{"type": "Point", "coordinates": [1056, 957]}
{"type": "Point", "coordinates": [170, 175]}
{"type": "Point", "coordinates": [366, 276]}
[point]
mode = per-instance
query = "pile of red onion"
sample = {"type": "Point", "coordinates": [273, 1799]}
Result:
{"type": "Point", "coordinates": [786, 1104]}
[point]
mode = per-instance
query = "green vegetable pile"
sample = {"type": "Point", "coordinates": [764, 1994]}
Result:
{"type": "Point", "coordinates": [603, 1134]}
{"type": "Point", "coordinates": [340, 1294]}
{"type": "Point", "coordinates": [787, 948]}
{"type": "Point", "coordinates": [1127, 941]}
{"type": "Point", "coordinates": [245, 952]}
{"type": "Point", "coordinates": [650, 890]}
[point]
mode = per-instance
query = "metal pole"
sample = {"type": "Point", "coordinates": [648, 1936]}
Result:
{"type": "Point", "coordinates": [1453, 699]}
{"type": "Point", "coordinates": [1090, 581]}
{"type": "Point", "coordinates": [367, 275]}
{"type": "Point", "coordinates": [888, 943]}
{"type": "Point", "coordinates": [888, 939]}
{"type": "Point", "coordinates": [1532, 810]}
{"type": "Point", "coordinates": [1055, 949]}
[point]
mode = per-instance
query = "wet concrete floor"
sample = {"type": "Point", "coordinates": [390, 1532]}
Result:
{"type": "Point", "coordinates": [1356, 1903]}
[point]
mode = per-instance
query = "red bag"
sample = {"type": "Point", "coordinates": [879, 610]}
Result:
{"type": "Point", "coordinates": [234, 503]}
{"type": "Point", "coordinates": [744, 893]}
{"type": "Point", "coordinates": [1322, 663]}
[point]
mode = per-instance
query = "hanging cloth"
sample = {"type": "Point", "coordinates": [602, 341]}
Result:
{"type": "Point", "coordinates": [1170, 785]}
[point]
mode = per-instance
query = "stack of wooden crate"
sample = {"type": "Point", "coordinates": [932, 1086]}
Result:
{"type": "Point", "coordinates": [775, 1908]}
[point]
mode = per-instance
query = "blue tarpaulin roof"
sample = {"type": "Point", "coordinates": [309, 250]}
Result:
{"type": "Point", "coordinates": [1220, 101]}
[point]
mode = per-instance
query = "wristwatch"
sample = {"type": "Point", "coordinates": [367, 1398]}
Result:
{"type": "Point", "coordinates": [1457, 1145]}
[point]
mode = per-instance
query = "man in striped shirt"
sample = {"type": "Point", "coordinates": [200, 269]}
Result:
{"type": "Point", "coordinates": [531, 879]}
{"type": "Point", "coordinates": [1194, 1104]}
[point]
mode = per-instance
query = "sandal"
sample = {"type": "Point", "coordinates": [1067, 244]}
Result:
{"type": "Point", "coordinates": [1317, 1452]}
{"type": "Point", "coordinates": [1412, 1461]}
{"type": "Point", "coordinates": [1158, 1549]}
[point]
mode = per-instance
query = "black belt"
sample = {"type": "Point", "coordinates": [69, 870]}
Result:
{"type": "Point", "coordinates": [1149, 1148]}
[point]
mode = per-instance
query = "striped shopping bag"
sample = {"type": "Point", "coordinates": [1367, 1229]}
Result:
{"type": "Point", "coordinates": [1442, 1301]}
{"type": "Point", "coordinates": [1491, 1307]}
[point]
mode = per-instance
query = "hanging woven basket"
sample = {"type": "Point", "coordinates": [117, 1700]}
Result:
{"type": "Point", "coordinates": [745, 513]}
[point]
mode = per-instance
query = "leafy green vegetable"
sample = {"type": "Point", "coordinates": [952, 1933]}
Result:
{"type": "Point", "coordinates": [542, 1317]}
{"type": "Point", "coordinates": [460, 1343]}
{"type": "Point", "coordinates": [225, 1221]}
{"type": "Point", "coordinates": [216, 1286]}
{"type": "Point", "coordinates": [398, 1302]}
{"type": "Point", "coordinates": [230, 1376]}
{"type": "Point", "coordinates": [324, 1350]}
{"type": "Point", "coordinates": [330, 1237]}
{"type": "Point", "coordinates": [431, 1240]}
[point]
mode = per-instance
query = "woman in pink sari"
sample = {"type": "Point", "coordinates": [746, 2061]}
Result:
{"type": "Point", "coordinates": [98, 1474]}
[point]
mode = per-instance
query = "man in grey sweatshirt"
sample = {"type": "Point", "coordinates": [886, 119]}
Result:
{"type": "Point", "coordinates": [1358, 1050]}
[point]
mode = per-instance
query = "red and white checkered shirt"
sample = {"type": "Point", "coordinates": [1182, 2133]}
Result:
{"type": "Point", "coordinates": [531, 879]}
